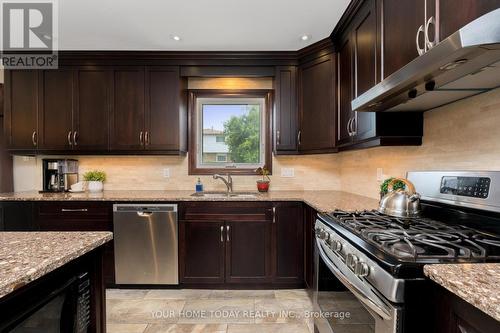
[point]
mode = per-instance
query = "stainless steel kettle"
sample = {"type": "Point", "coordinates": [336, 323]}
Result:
{"type": "Point", "coordinates": [401, 202]}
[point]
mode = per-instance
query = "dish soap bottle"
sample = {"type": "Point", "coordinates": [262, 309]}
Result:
{"type": "Point", "coordinates": [199, 186]}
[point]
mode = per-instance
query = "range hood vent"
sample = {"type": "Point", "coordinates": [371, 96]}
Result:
{"type": "Point", "coordinates": [465, 64]}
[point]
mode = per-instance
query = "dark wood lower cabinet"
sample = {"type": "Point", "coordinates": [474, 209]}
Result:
{"type": "Point", "coordinates": [455, 315]}
{"type": "Point", "coordinates": [248, 251]}
{"type": "Point", "coordinates": [201, 250]}
{"type": "Point", "coordinates": [79, 216]}
{"type": "Point", "coordinates": [289, 243]}
{"type": "Point", "coordinates": [241, 244]}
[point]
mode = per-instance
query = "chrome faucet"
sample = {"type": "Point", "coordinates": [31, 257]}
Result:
{"type": "Point", "coordinates": [228, 182]}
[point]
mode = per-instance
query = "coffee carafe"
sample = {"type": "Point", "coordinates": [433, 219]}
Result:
{"type": "Point", "coordinates": [59, 175]}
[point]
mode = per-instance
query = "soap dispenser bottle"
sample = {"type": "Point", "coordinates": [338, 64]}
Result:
{"type": "Point", "coordinates": [199, 186]}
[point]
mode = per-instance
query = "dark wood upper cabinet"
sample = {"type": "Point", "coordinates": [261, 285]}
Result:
{"type": "Point", "coordinates": [317, 105]}
{"type": "Point", "coordinates": [91, 114]}
{"type": "Point", "coordinates": [400, 21]}
{"type": "Point", "coordinates": [21, 109]}
{"type": "Point", "coordinates": [454, 14]}
{"type": "Point", "coordinates": [364, 37]}
{"type": "Point", "coordinates": [56, 100]}
{"type": "Point", "coordinates": [201, 246]}
{"type": "Point", "coordinates": [248, 251]}
{"type": "Point", "coordinates": [127, 115]}
{"type": "Point", "coordinates": [166, 113]}
{"type": "Point", "coordinates": [286, 110]}
{"type": "Point", "coordinates": [345, 90]}
{"type": "Point", "coordinates": [289, 242]}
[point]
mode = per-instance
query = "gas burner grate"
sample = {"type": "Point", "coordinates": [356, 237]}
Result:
{"type": "Point", "coordinates": [419, 238]}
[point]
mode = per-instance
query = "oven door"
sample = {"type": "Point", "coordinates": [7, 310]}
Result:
{"type": "Point", "coordinates": [345, 303]}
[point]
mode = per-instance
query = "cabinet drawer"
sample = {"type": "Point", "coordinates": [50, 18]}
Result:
{"type": "Point", "coordinates": [224, 211]}
{"type": "Point", "coordinates": [74, 210]}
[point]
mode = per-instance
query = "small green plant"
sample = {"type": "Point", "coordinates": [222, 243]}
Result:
{"type": "Point", "coordinates": [94, 176]}
{"type": "Point", "coordinates": [264, 173]}
{"type": "Point", "coordinates": [397, 185]}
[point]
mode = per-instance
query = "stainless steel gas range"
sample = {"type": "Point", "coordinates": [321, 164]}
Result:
{"type": "Point", "coordinates": [369, 266]}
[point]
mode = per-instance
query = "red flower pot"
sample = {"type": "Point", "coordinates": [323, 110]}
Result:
{"type": "Point", "coordinates": [263, 185]}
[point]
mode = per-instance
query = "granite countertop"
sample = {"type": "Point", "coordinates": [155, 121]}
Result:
{"type": "Point", "coordinates": [27, 256]}
{"type": "Point", "coordinates": [475, 283]}
{"type": "Point", "coordinates": [322, 201]}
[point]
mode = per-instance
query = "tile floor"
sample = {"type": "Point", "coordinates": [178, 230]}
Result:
{"type": "Point", "coordinates": [207, 311]}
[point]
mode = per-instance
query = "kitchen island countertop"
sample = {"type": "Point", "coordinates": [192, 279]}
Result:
{"type": "Point", "coordinates": [27, 256]}
{"type": "Point", "coordinates": [322, 201]}
{"type": "Point", "coordinates": [478, 284]}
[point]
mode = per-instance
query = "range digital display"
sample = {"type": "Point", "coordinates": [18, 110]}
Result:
{"type": "Point", "coordinates": [476, 187]}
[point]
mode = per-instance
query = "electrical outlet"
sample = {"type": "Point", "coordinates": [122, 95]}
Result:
{"type": "Point", "coordinates": [287, 172]}
{"type": "Point", "coordinates": [380, 174]}
{"type": "Point", "coordinates": [166, 173]}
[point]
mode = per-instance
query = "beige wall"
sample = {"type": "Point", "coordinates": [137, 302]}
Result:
{"type": "Point", "coordinates": [464, 135]}
{"type": "Point", "coordinates": [146, 173]}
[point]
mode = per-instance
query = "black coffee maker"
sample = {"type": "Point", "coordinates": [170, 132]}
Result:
{"type": "Point", "coordinates": [59, 175]}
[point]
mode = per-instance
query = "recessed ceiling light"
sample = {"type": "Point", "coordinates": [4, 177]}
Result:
{"type": "Point", "coordinates": [176, 38]}
{"type": "Point", "coordinates": [305, 37]}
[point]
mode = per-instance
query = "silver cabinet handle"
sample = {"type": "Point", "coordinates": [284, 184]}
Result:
{"type": "Point", "coordinates": [227, 233]}
{"type": "Point", "coordinates": [141, 138]}
{"type": "Point", "coordinates": [428, 43]}
{"type": "Point", "coordinates": [69, 139]}
{"type": "Point", "coordinates": [74, 210]}
{"type": "Point", "coordinates": [34, 138]}
{"type": "Point", "coordinates": [75, 138]}
{"type": "Point", "coordinates": [146, 138]}
{"type": "Point", "coordinates": [222, 234]}
{"type": "Point", "coordinates": [349, 127]}
{"type": "Point", "coordinates": [354, 125]}
{"type": "Point", "coordinates": [299, 137]}
{"type": "Point", "coordinates": [278, 137]}
{"type": "Point", "coordinates": [419, 49]}
{"type": "Point", "coordinates": [274, 214]}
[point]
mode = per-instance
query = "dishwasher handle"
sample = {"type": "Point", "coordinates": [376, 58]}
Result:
{"type": "Point", "coordinates": [145, 214]}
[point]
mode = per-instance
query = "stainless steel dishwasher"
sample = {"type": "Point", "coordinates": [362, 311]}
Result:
{"type": "Point", "coordinates": [146, 244]}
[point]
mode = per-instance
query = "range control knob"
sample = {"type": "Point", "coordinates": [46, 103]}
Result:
{"type": "Point", "coordinates": [361, 269]}
{"type": "Point", "coordinates": [351, 261]}
{"type": "Point", "coordinates": [336, 246]}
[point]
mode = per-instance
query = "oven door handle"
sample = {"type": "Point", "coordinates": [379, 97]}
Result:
{"type": "Point", "coordinates": [385, 314]}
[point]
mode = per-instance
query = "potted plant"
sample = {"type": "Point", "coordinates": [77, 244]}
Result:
{"type": "Point", "coordinates": [95, 179]}
{"type": "Point", "coordinates": [263, 184]}
{"type": "Point", "coordinates": [383, 187]}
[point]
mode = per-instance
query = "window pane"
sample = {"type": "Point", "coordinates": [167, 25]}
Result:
{"type": "Point", "coordinates": [231, 133]}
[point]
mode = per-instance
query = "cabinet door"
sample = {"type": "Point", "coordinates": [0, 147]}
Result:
{"type": "Point", "coordinates": [451, 19]}
{"type": "Point", "coordinates": [286, 111]}
{"type": "Point", "coordinates": [401, 20]}
{"type": "Point", "coordinates": [317, 105]}
{"type": "Point", "coordinates": [248, 251]}
{"type": "Point", "coordinates": [56, 110]}
{"type": "Point", "coordinates": [365, 66]}
{"type": "Point", "coordinates": [162, 108]}
{"type": "Point", "coordinates": [345, 91]}
{"type": "Point", "coordinates": [127, 115]}
{"type": "Point", "coordinates": [21, 109]}
{"type": "Point", "coordinates": [201, 247]}
{"type": "Point", "coordinates": [289, 242]}
{"type": "Point", "coordinates": [91, 115]}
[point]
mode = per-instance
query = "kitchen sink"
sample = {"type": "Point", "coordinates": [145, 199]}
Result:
{"type": "Point", "coordinates": [215, 194]}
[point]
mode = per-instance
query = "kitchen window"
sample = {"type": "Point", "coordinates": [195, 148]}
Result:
{"type": "Point", "coordinates": [229, 131]}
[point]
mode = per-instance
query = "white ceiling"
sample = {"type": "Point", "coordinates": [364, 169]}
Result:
{"type": "Point", "coordinates": [203, 25]}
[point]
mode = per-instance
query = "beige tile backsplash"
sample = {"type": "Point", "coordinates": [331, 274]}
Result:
{"type": "Point", "coordinates": [464, 135]}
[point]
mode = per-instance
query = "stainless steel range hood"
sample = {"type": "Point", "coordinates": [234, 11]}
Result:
{"type": "Point", "coordinates": [465, 64]}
